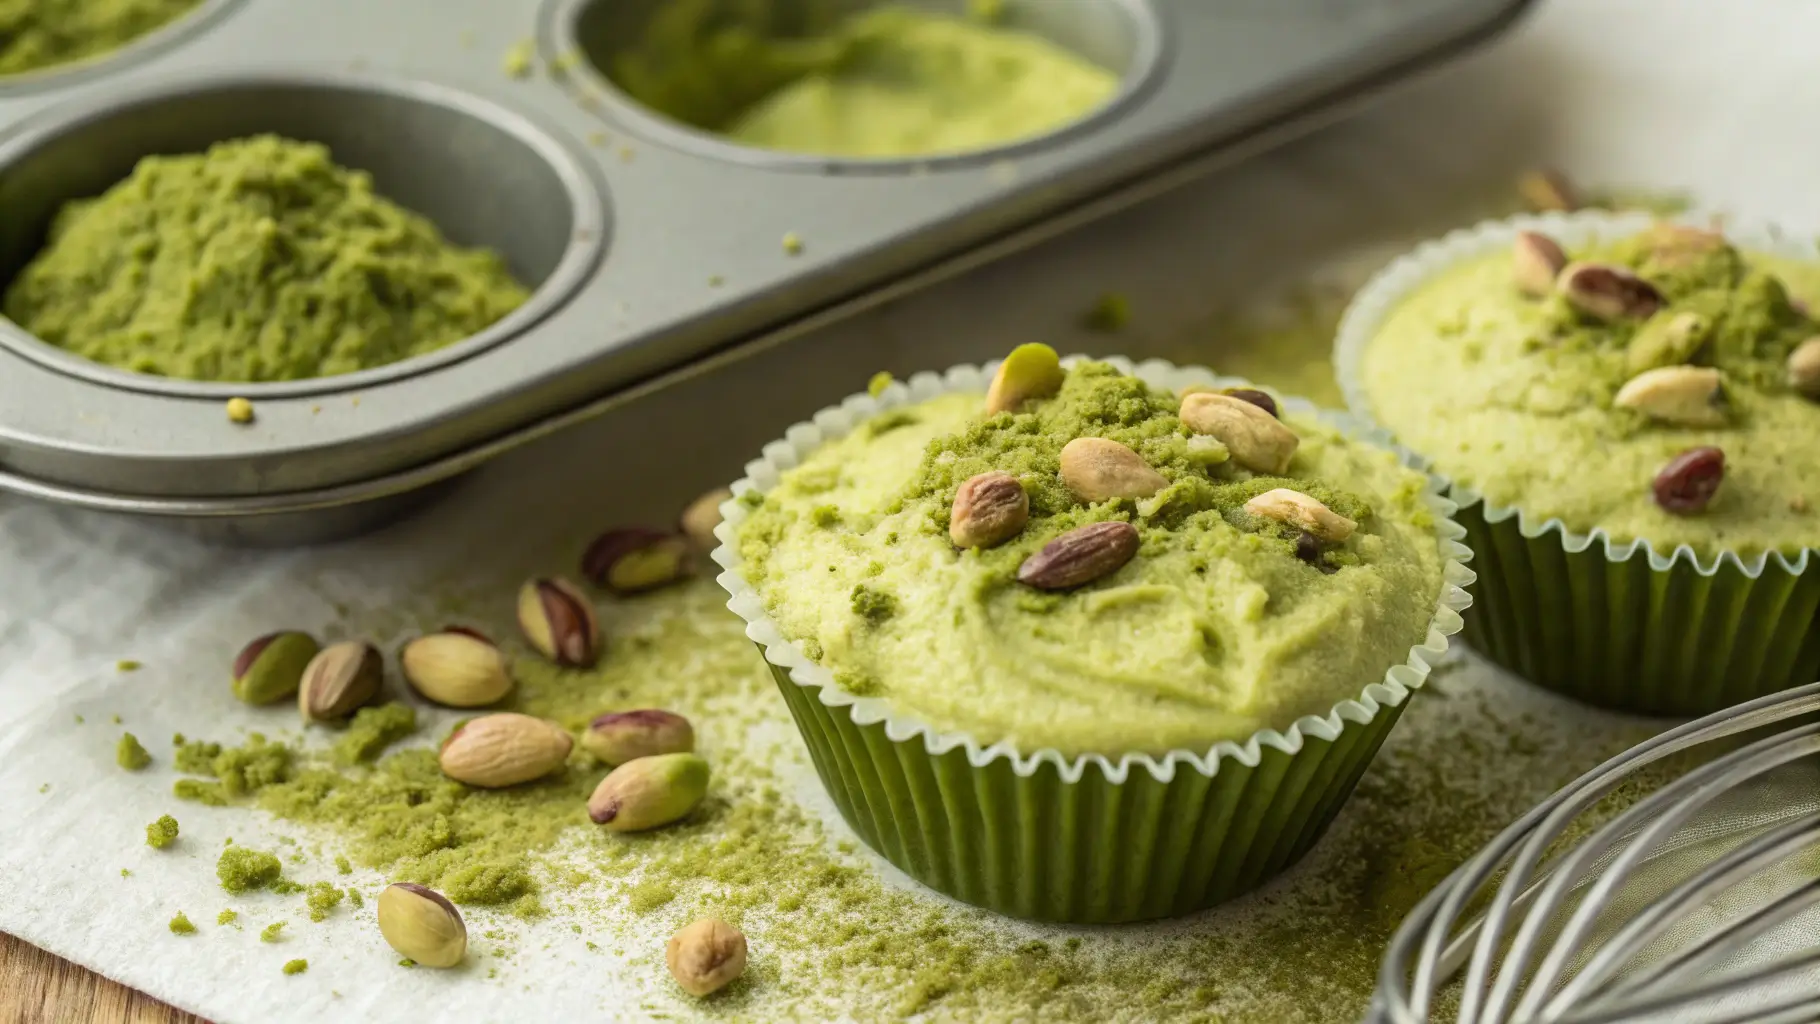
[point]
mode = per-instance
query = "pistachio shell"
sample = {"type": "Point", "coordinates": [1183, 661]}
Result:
{"type": "Point", "coordinates": [649, 792]}
{"type": "Point", "coordinates": [271, 668]}
{"type": "Point", "coordinates": [630, 560]}
{"type": "Point", "coordinates": [558, 619]}
{"type": "Point", "coordinates": [702, 517]}
{"type": "Point", "coordinates": [422, 924]}
{"type": "Point", "coordinates": [629, 735]}
{"type": "Point", "coordinates": [340, 680]}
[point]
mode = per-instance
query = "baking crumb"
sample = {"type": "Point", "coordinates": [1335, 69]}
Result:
{"type": "Point", "coordinates": [127, 665]}
{"type": "Point", "coordinates": [517, 61]}
{"type": "Point", "coordinates": [227, 917]}
{"type": "Point", "coordinates": [715, 280]}
{"type": "Point", "coordinates": [296, 966]}
{"type": "Point", "coordinates": [407, 962]}
{"type": "Point", "coordinates": [180, 925]}
{"type": "Point", "coordinates": [124, 873]}
{"type": "Point", "coordinates": [315, 410]}
{"type": "Point", "coordinates": [161, 833]}
{"type": "Point", "coordinates": [239, 410]}
{"type": "Point", "coordinates": [78, 719]}
{"type": "Point", "coordinates": [597, 138]}
{"type": "Point", "coordinates": [270, 932]}
{"type": "Point", "coordinates": [793, 243]}
{"type": "Point", "coordinates": [129, 754]}
{"type": "Point", "coordinates": [46, 788]}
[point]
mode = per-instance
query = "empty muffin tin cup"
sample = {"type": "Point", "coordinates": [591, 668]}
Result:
{"type": "Point", "coordinates": [485, 175]}
{"type": "Point", "coordinates": [592, 40]}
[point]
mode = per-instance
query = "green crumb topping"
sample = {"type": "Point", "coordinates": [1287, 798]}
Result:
{"type": "Point", "coordinates": [1109, 315]}
{"type": "Point", "coordinates": [127, 665]}
{"type": "Point", "coordinates": [46, 33]}
{"type": "Point", "coordinates": [872, 605]}
{"type": "Point", "coordinates": [258, 260]}
{"type": "Point", "coordinates": [372, 730]}
{"type": "Point", "coordinates": [518, 59]}
{"type": "Point", "coordinates": [180, 925]}
{"type": "Point", "coordinates": [270, 932]}
{"type": "Point", "coordinates": [296, 966]}
{"type": "Point", "coordinates": [242, 870]}
{"type": "Point", "coordinates": [342, 866]}
{"type": "Point", "coordinates": [355, 898]}
{"type": "Point", "coordinates": [161, 833]}
{"type": "Point", "coordinates": [649, 896]}
{"type": "Point", "coordinates": [879, 382]}
{"type": "Point", "coordinates": [227, 917]}
{"type": "Point", "coordinates": [130, 755]}
{"type": "Point", "coordinates": [322, 899]}
{"type": "Point", "coordinates": [124, 873]}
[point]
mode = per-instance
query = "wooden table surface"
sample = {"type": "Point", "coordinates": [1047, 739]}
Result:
{"type": "Point", "coordinates": [38, 988]}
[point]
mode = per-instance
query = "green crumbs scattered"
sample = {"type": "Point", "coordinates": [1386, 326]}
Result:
{"type": "Point", "coordinates": [45, 33]}
{"type": "Point", "coordinates": [180, 925]}
{"type": "Point", "coordinates": [227, 917]}
{"type": "Point", "coordinates": [270, 932]}
{"type": "Point", "coordinates": [127, 665]}
{"type": "Point", "coordinates": [322, 899]}
{"type": "Point", "coordinates": [877, 385]}
{"type": "Point", "coordinates": [342, 866]}
{"type": "Point", "coordinates": [259, 260]}
{"type": "Point", "coordinates": [242, 870]}
{"type": "Point", "coordinates": [374, 729]}
{"type": "Point", "coordinates": [129, 754]}
{"type": "Point", "coordinates": [161, 833]}
{"type": "Point", "coordinates": [296, 966]}
{"type": "Point", "coordinates": [650, 896]}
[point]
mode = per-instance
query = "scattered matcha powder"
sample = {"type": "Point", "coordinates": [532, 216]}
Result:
{"type": "Point", "coordinates": [180, 925]}
{"type": "Point", "coordinates": [130, 755]}
{"type": "Point", "coordinates": [227, 917]}
{"type": "Point", "coordinates": [161, 833]}
{"type": "Point", "coordinates": [242, 870]}
{"type": "Point", "coordinates": [322, 899]}
{"type": "Point", "coordinates": [270, 932]}
{"type": "Point", "coordinates": [296, 966]}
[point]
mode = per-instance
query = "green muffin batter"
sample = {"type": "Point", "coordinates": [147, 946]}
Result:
{"type": "Point", "coordinates": [1216, 629]}
{"type": "Point", "coordinates": [259, 260]}
{"type": "Point", "coordinates": [1514, 396]}
{"type": "Point", "coordinates": [38, 34]}
{"type": "Point", "coordinates": [887, 82]}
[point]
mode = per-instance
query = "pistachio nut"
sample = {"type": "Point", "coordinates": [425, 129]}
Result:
{"type": "Point", "coordinates": [1536, 260]}
{"type": "Point", "coordinates": [1097, 469]}
{"type": "Point", "coordinates": [1676, 246]}
{"type": "Point", "coordinates": [701, 517]}
{"type": "Point", "coordinates": [649, 791]}
{"type": "Point", "coordinates": [558, 620]}
{"type": "Point", "coordinates": [1546, 191]}
{"type": "Point", "coordinates": [629, 735]}
{"type": "Point", "coordinates": [1261, 399]}
{"type": "Point", "coordinates": [456, 668]}
{"type": "Point", "coordinates": [270, 668]}
{"type": "Point", "coordinates": [340, 680]}
{"type": "Point", "coordinates": [705, 956]}
{"type": "Point", "coordinates": [989, 509]}
{"type": "Point", "coordinates": [503, 749]}
{"type": "Point", "coordinates": [1667, 339]}
{"type": "Point", "coordinates": [1307, 514]}
{"type": "Point", "coordinates": [421, 923]}
{"type": "Point", "coordinates": [1080, 556]}
{"type": "Point", "coordinates": [1685, 396]}
{"type": "Point", "coordinates": [1257, 440]}
{"type": "Point", "coordinates": [1804, 368]}
{"type": "Point", "coordinates": [1607, 292]}
{"type": "Point", "coordinates": [1030, 371]}
{"type": "Point", "coordinates": [1687, 484]}
{"type": "Point", "coordinates": [629, 560]}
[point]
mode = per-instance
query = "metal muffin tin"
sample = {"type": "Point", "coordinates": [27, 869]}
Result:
{"type": "Point", "coordinates": [656, 250]}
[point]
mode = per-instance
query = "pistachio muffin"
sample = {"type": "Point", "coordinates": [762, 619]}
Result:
{"type": "Point", "coordinates": [1090, 643]}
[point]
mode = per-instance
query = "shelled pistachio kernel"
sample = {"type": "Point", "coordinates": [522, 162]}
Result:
{"type": "Point", "coordinates": [340, 680]}
{"type": "Point", "coordinates": [1536, 260]}
{"type": "Point", "coordinates": [1608, 292]}
{"type": "Point", "coordinates": [1686, 396]}
{"type": "Point", "coordinates": [649, 792]}
{"type": "Point", "coordinates": [623, 736]}
{"type": "Point", "coordinates": [988, 509]}
{"type": "Point", "coordinates": [1302, 512]}
{"type": "Point", "coordinates": [701, 517]}
{"type": "Point", "coordinates": [558, 619]}
{"type": "Point", "coordinates": [456, 668]}
{"type": "Point", "coordinates": [1097, 469]}
{"type": "Point", "coordinates": [630, 560]}
{"type": "Point", "coordinates": [1030, 371]}
{"type": "Point", "coordinates": [1257, 440]}
{"type": "Point", "coordinates": [270, 668]}
{"type": "Point", "coordinates": [421, 924]}
{"type": "Point", "coordinates": [1667, 339]}
{"type": "Point", "coordinates": [503, 749]}
{"type": "Point", "coordinates": [239, 410]}
{"type": "Point", "coordinates": [706, 956]}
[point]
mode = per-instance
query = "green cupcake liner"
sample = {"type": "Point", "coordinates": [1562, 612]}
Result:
{"type": "Point", "coordinates": [1617, 625]}
{"type": "Point", "coordinates": [1088, 839]}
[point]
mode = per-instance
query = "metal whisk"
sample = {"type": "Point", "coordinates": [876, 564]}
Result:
{"type": "Point", "coordinates": [1553, 940]}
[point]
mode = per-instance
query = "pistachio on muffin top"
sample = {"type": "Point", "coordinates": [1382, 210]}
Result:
{"type": "Point", "coordinates": [1081, 562]}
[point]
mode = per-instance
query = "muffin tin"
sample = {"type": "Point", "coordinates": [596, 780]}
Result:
{"type": "Point", "coordinates": [656, 250]}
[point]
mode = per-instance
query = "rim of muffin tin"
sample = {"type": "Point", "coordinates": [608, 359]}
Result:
{"type": "Point", "coordinates": [175, 32]}
{"type": "Point", "coordinates": [582, 251]}
{"type": "Point", "coordinates": [604, 99]}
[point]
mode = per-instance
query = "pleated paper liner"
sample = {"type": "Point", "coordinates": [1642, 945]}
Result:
{"type": "Point", "coordinates": [1618, 625]}
{"type": "Point", "coordinates": [1088, 839]}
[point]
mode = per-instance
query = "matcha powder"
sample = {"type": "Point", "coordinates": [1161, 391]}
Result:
{"type": "Point", "coordinates": [259, 260]}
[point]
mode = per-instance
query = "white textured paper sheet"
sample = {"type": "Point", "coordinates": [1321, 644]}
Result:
{"type": "Point", "coordinates": [1717, 99]}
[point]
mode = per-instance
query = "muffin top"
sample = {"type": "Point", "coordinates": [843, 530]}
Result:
{"type": "Point", "coordinates": [1098, 566]}
{"type": "Point", "coordinates": [1658, 387]}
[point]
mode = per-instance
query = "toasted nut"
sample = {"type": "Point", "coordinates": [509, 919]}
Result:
{"type": "Point", "coordinates": [1686, 396]}
{"type": "Point", "coordinates": [1096, 469]}
{"type": "Point", "coordinates": [1081, 555]}
{"type": "Point", "coordinates": [1804, 368]}
{"type": "Point", "coordinates": [340, 680]}
{"type": "Point", "coordinates": [270, 668]}
{"type": "Point", "coordinates": [1536, 260]}
{"type": "Point", "coordinates": [989, 509]}
{"type": "Point", "coordinates": [1304, 513]}
{"type": "Point", "coordinates": [422, 924]}
{"type": "Point", "coordinates": [456, 668]}
{"type": "Point", "coordinates": [1258, 441]}
{"type": "Point", "coordinates": [1666, 340]}
{"type": "Point", "coordinates": [702, 517]}
{"type": "Point", "coordinates": [1687, 484]}
{"type": "Point", "coordinates": [629, 735]}
{"type": "Point", "coordinates": [558, 620]}
{"type": "Point", "coordinates": [648, 792]}
{"type": "Point", "coordinates": [503, 749]}
{"type": "Point", "coordinates": [1608, 293]}
{"type": "Point", "coordinates": [1030, 371]}
{"type": "Point", "coordinates": [634, 559]}
{"type": "Point", "coordinates": [1545, 190]}
{"type": "Point", "coordinates": [706, 956]}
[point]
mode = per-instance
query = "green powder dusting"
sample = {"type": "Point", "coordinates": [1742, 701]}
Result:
{"type": "Point", "coordinates": [650, 896]}
{"type": "Point", "coordinates": [356, 899]}
{"type": "Point", "coordinates": [227, 917]}
{"type": "Point", "coordinates": [242, 870]}
{"type": "Point", "coordinates": [296, 966]}
{"type": "Point", "coordinates": [180, 925]}
{"type": "Point", "coordinates": [374, 729]}
{"type": "Point", "coordinates": [342, 866]}
{"type": "Point", "coordinates": [161, 833]}
{"type": "Point", "coordinates": [322, 899]}
{"type": "Point", "coordinates": [45, 33]}
{"type": "Point", "coordinates": [259, 260]}
{"type": "Point", "coordinates": [130, 755]}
